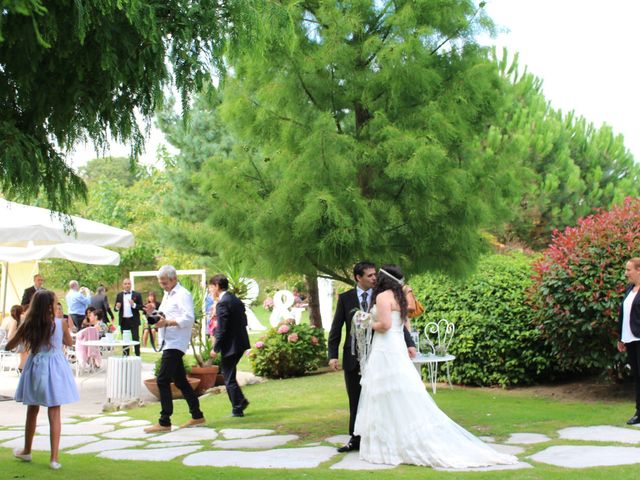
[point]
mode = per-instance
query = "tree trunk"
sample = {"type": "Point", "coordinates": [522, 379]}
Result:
{"type": "Point", "coordinates": [314, 302]}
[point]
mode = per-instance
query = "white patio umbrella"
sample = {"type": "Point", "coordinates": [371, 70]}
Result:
{"type": "Point", "coordinates": [29, 234]}
{"type": "Point", "coordinates": [21, 224]}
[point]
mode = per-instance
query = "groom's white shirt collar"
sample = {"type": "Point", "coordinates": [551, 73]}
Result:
{"type": "Point", "coordinates": [360, 291]}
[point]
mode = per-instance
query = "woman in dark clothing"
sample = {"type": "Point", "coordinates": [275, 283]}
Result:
{"type": "Point", "coordinates": [629, 328]}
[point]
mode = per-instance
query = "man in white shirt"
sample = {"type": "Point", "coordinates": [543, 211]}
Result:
{"type": "Point", "coordinates": [174, 329]}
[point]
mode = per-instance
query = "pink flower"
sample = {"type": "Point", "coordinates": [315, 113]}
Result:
{"type": "Point", "coordinates": [293, 337]}
{"type": "Point", "coordinates": [259, 344]}
{"type": "Point", "coordinates": [314, 340]}
{"type": "Point", "coordinates": [283, 329]}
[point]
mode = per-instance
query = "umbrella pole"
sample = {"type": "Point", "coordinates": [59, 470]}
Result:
{"type": "Point", "coordinates": [3, 289]}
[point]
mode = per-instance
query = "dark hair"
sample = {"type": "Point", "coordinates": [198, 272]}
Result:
{"type": "Point", "coordinates": [153, 294]}
{"type": "Point", "coordinates": [100, 315]}
{"type": "Point", "coordinates": [89, 310]}
{"type": "Point", "coordinates": [360, 267]}
{"type": "Point", "coordinates": [385, 282]}
{"type": "Point", "coordinates": [38, 325]}
{"type": "Point", "coordinates": [220, 280]}
{"type": "Point", "coordinates": [16, 311]}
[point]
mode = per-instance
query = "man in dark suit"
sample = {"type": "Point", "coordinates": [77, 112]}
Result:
{"type": "Point", "coordinates": [232, 339]}
{"type": "Point", "coordinates": [38, 281]}
{"type": "Point", "coordinates": [128, 306]}
{"type": "Point", "coordinates": [358, 298]}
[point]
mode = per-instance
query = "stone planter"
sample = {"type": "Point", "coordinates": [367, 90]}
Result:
{"type": "Point", "coordinates": [207, 376]}
{"type": "Point", "coordinates": [152, 386]}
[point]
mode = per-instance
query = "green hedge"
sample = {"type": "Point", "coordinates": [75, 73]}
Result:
{"type": "Point", "coordinates": [495, 342]}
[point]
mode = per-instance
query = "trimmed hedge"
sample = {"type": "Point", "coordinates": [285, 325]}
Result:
{"type": "Point", "coordinates": [495, 342]}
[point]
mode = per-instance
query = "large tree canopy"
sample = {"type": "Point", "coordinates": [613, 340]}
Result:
{"type": "Point", "coordinates": [77, 70]}
{"type": "Point", "coordinates": [574, 167]}
{"type": "Point", "coordinates": [360, 131]}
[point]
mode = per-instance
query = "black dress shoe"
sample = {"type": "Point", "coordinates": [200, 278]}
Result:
{"type": "Point", "coordinates": [349, 447]}
{"type": "Point", "coordinates": [634, 420]}
{"type": "Point", "coordinates": [245, 404]}
{"type": "Point", "coordinates": [237, 413]}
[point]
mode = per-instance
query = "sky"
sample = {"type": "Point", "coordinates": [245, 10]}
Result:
{"type": "Point", "coordinates": [583, 50]}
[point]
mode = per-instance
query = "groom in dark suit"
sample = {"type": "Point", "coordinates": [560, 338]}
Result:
{"type": "Point", "coordinates": [358, 298]}
{"type": "Point", "coordinates": [232, 339]}
{"type": "Point", "coordinates": [128, 306]}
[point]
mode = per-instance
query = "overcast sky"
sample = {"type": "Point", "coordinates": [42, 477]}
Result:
{"type": "Point", "coordinates": [583, 50]}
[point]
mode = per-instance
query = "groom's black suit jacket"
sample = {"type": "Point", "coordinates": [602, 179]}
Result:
{"type": "Point", "coordinates": [231, 331]}
{"type": "Point", "coordinates": [347, 303]}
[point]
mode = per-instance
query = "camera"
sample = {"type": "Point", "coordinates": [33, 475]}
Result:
{"type": "Point", "coordinates": [155, 317]}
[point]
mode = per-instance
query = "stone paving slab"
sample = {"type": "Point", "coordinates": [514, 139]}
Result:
{"type": "Point", "coordinates": [237, 433]}
{"type": "Point", "coordinates": [486, 439]}
{"type": "Point", "coordinates": [507, 449]}
{"type": "Point", "coordinates": [515, 466]}
{"type": "Point", "coordinates": [110, 420]}
{"type": "Point", "coordinates": [351, 461]}
{"type": "Point", "coordinates": [169, 444]}
{"type": "Point", "coordinates": [284, 458]}
{"type": "Point", "coordinates": [104, 445]}
{"type": "Point", "coordinates": [135, 423]}
{"type": "Point", "coordinates": [572, 456]}
{"type": "Point", "coordinates": [527, 438]}
{"type": "Point", "coordinates": [68, 420]}
{"type": "Point", "coordinates": [188, 435]}
{"type": "Point", "coordinates": [150, 455]}
{"type": "Point", "coordinates": [338, 439]}
{"type": "Point", "coordinates": [130, 432]}
{"type": "Point", "coordinates": [601, 433]}
{"type": "Point", "coordinates": [271, 441]}
{"type": "Point", "coordinates": [8, 434]}
{"type": "Point", "coordinates": [42, 443]}
{"type": "Point", "coordinates": [78, 429]}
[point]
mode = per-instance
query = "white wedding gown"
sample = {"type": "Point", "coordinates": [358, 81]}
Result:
{"type": "Point", "coordinates": [397, 420]}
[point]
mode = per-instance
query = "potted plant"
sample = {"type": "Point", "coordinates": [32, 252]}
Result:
{"type": "Point", "coordinates": [152, 383]}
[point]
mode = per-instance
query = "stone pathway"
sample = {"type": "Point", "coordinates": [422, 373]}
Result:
{"type": "Point", "coordinates": [119, 437]}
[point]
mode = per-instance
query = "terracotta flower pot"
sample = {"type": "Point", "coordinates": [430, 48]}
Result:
{"type": "Point", "coordinates": [152, 386]}
{"type": "Point", "coordinates": [207, 376]}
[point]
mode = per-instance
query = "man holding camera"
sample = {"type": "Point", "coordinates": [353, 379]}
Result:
{"type": "Point", "coordinates": [176, 317]}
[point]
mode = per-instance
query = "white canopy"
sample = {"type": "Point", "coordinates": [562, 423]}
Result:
{"type": "Point", "coordinates": [21, 224]}
{"type": "Point", "coordinates": [68, 251]}
{"type": "Point", "coordinates": [29, 234]}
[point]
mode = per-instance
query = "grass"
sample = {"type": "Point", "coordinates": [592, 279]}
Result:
{"type": "Point", "coordinates": [315, 407]}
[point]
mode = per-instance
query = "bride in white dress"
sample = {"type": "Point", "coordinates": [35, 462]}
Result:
{"type": "Point", "coordinates": [397, 420]}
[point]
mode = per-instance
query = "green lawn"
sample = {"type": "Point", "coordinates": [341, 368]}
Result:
{"type": "Point", "coordinates": [315, 407]}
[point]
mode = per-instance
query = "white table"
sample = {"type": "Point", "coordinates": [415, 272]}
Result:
{"type": "Point", "coordinates": [124, 373]}
{"type": "Point", "coordinates": [432, 362]}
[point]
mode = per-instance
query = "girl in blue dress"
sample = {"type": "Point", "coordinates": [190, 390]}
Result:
{"type": "Point", "coordinates": [46, 379]}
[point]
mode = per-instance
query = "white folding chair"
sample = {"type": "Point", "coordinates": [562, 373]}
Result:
{"type": "Point", "coordinates": [438, 336]}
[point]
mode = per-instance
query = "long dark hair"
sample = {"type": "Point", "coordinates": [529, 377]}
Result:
{"type": "Point", "coordinates": [385, 282]}
{"type": "Point", "coordinates": [37, 328]}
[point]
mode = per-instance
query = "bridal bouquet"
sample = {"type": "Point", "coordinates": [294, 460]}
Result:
{"type": "Point", "coordinates": [361, 334]}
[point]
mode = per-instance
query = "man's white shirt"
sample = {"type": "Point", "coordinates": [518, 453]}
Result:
{"type": "Point", "coordinates": [177, 305]}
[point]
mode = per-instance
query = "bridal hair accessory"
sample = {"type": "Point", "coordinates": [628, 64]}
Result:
{"type": "Point", "coordinates": [401, 282]}
{"type": "Point", "coordinates": [361, 335]}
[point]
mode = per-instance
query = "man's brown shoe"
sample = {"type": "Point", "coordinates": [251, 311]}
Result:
{"type": "Point", "coordinates": [194, 422]}
{"type": "Point", "coordinates": [157, 428]}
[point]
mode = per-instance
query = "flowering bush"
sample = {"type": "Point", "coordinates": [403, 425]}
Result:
{"type": "Point", "coordinates": [289, 350]}
{"type": "Point", "coordinates": [578, 288]}
{"type": "Point", "coordinates": [268, 304]}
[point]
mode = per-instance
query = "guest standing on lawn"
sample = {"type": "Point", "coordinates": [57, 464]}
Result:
{"type": "Point", "coordinates": [629, 328]}
{"type": "Point", "coordinates": [232, 339]}
{"type": "Point", "coordinates": [174, 329]}
{"type": "Point", "coordinates": [46, 379]}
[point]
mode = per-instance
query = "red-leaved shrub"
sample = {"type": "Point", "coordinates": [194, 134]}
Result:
{"type": "Point", "coordinates": [578, 287]}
